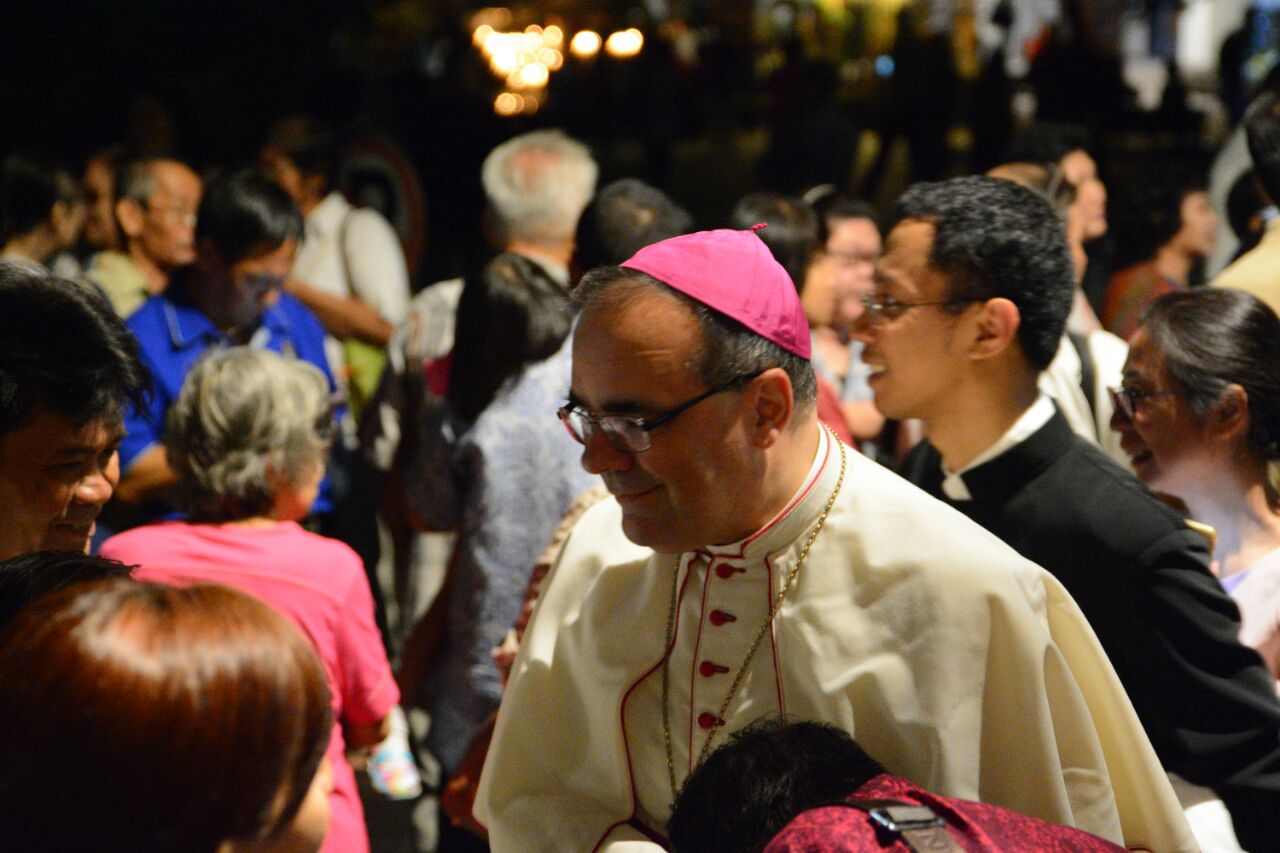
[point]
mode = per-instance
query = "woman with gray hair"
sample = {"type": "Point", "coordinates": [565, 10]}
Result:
{"type": "Point", "coordinates": [248, 436]}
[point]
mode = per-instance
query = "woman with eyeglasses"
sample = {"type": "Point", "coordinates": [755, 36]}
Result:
{"type": "Point", "coordinates": [1199, 417]}
{"type": "Point", "coordinates": [248, 436]}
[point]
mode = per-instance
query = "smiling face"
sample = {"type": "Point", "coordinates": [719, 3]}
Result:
{"type": "Point", "coordinates": [916, 365]}
{"type": "Point", "coordinates": [1165, 440]}
{"type": "Point", "coordinates": [689, 489]}
{"type": "Point", "coordinates": [55, 477]}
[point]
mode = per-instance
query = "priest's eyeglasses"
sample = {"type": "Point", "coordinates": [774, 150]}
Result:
{"type": "Point", "coordinates": [631, 434]}
{"type": "Point", "coordinates": [881, 306]}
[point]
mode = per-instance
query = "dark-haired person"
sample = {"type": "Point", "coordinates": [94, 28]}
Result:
{"type": "Point", "coordinates": [791, 233]}
{"type": "Point", "coordinates": [41, 214]}
{"type": "Point", "coordinates": [350, 269]}
{"type": "Point", "coordinates": [248, 437]}
{"type": "Point", "coordinates": [806, 787]}
{"type": "Point", "coordinates": [68, 368]}
{"type": "Point", "coordinates": [1258, 270]}
{"type": "Point", "coordinates": [155, 207]}
{"type": "Point", "coordinates": [246, 238]}
{"type": "Point", "coordinates": [493, 466]}
{"type": "Point", "coordinates": [1169, 230]}
{"type": "Point", "coordinates": [29, 577]}
{"type": "Point", "coordinates": [971, 300]}
{"type": "Point", "coordinates": [749, 564]}
{"type": "Point", "coordinates": [1199, 415]}
{"type": "Point", "coordinates": [621, 219]}
{"type": "Point", "coordinates": [178, 719]}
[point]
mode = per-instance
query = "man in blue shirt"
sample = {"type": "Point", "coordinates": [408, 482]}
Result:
{"type": "Point", "coordinates": [247, 234]}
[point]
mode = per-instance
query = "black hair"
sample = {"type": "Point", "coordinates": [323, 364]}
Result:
{"type": "Point", "coordinates": [729, 349]}
{"type": "Point", "coordinates": [511, 315]}
{"type": "Point", "coordinates": [836, 207]}
{"type": "Point", "coordinates": [1214, 337]}
{"type": "Point", "coordinates": [1047, 142]}
{"type": "Point", "coordinates": [1150, 211]}
{"type": "Point", "coordinates": [622, 219]}
{"type": "Point", "coordinates": [309, 144]}
{"type": "Point", "coordinates": [28, 577]}
{"type": "Point", "coordinates": [763, 777]}
{"type": "Point", "coordinates": [994, 238]}
{"type": "Point", "coordinates": [1245, 201]}
{"type": "Point", "coordinates": [1262, 132]}
{"type": "Point", "coordinates": [64, 349]}
{"type": "Point", "coordinates": [244, 214]}
{"type": "Point", "coordinates": [791, 231]}
{"type": "Point", "coordinates": [28, 191]}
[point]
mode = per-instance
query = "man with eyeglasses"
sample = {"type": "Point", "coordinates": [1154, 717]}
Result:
{"type": "Point", "coordinates": [749, 564]}
{"type": "Point", "coordinates": [247, 234]}
{"type": "Point", "coordinates": [156, 211]}
{"type": "Point", "coordinates": [972, 295]}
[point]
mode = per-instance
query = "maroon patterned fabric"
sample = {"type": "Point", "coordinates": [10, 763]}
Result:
{"type": "Point", "coordinates": [974, 826]}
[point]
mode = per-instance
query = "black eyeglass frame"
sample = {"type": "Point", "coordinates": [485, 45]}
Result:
{"type": "Point", "coordinates": [645, 425]}
{"type": "Point", "coordinates": [880, 307]}
{"type": "Point", "coordinates": [1126, 400]}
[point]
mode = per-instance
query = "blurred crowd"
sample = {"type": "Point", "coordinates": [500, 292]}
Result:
{"type": "Point", "coordinates": [326, 508]}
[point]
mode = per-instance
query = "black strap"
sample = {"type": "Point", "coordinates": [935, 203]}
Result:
{"type": "Point", "coordinates": [1088, 376]}
{"type": "Point", "coordinates": [919, 827]}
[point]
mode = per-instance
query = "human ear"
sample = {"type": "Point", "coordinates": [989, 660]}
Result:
{"type": "Point", "coordinates": [129, 214]}
{"type": "Point", "coordinates": [998, 321]}
{"type": "Point", "coordinates": [1230, 415]}
{"type": "Point", "coordinates": [772, 402]}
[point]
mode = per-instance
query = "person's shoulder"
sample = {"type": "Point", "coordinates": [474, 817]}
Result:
{"type": "Point", "coordinates": [1089, 494]}
{"type": "Point", "coordinates": [133, 546]}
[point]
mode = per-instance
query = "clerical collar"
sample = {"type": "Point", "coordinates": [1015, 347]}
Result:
{"type": "Point", "coordinates": [1036, 416]}
{"type": "Point", "coordinates": [788, 524]}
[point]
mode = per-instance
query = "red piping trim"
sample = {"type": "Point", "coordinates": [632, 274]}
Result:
{"type": "Point", "coordinates": [622, 718]}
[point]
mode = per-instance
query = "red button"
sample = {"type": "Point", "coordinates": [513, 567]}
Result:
{"type": "Point", "coordinates": [708, 669]}
{"type": "Point", "coordinates": [719, 617]}
{"type": "Point", "coordinates": [708, 720]}
{"type": "Point", "coordinates": [724, 570]}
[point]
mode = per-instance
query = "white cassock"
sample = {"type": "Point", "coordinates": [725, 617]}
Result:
{"type": "Point", "coordinates": [951, 659]}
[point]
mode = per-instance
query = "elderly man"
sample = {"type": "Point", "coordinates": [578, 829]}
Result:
{"type": "Point", "coordinates": [157, 215]}
{"type": "Point", "coordinates": [971, 298]}
{"type": "Point", "coordinates": [247, 236]}
{"type": "Point", "coordinates": [750, 565]}
{"type": "Point", "coordinates": [67, 367]}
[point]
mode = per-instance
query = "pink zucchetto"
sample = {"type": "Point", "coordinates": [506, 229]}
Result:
{"type": "Point", "coordinates": [734, 273]}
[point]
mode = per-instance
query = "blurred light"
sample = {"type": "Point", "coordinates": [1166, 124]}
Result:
{"type": "Point", "coordinates": [508, 104]}
{"type": "Point", "coordinates": [534, 75]}
{"type": "Point", "coordinates": [533, 28]}
{"type": "Point", "coordinates": [585, 44]}
{"type": "Point", "coordinates": [530, 105]}
{"type": "Point", "coordinates": [624, 43]}
{"type": "Point", "coordinates": [553, 36]}
{"type": "Point", "coordinates": [504, 61]}
{"type": "Point", "coordinates": [481, 34]}
{"type": "Point", "coordinates": [884, 65]}
{"type": "Point", "coordinates": [551, 58]}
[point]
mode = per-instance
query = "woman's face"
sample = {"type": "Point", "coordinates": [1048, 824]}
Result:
{"type": "Point", "coordinates": [1165, 439]}
{"type": "Point", "coordinates": [1089, 209]}
{"type": "Point", "coordinates": [1199, 224]}
{"type": "Point", "coordinates": [849, 258]}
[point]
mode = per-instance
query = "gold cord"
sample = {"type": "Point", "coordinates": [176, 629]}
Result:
{"type": "Point", "coordinates": [755, 644]}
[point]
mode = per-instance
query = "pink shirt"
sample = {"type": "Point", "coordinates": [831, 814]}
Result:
{"type": "Point", "coordinates": [317, 582]}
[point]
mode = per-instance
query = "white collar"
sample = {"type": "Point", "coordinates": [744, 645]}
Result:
{"type": "Point", "coordinates": [326, 217]}
{"type": "Point", "coordinates": [1036, 416]}
{"type": "Point", "coordinates": [796, 515]}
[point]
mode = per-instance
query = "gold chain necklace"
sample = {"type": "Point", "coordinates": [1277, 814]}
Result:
{"type": "Point", "coordinates": [755, 644]}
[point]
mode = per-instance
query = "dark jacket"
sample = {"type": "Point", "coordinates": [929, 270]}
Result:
{"type": "Point", "coordinates": [1142, 578]}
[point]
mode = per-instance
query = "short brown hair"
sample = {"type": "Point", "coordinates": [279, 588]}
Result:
{"type": "Point", "coordinates": [143, 717]}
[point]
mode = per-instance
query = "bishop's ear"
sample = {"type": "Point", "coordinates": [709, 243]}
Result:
{"type": "Point", "coordinates": [772, 402]}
